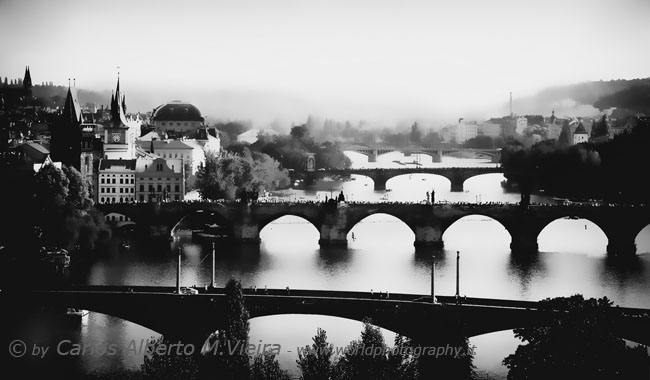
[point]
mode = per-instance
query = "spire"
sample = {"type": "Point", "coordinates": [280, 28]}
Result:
{"type": "Point", "coordinates": [71, 109]}
{"type": "Point", "coordinates": [27, 82]}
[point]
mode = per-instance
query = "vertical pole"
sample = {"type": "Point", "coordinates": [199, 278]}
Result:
{"type": "Point", "coordinates": [457, 274]}
{"type": "Point", "coordinates": [178, 273]}
{"type": "Point", "coordinates": [213, 264]}
{"type": "Point", "coordinates": [433, 276]}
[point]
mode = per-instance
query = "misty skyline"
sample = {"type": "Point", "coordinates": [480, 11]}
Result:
{"type": "Point", "coordinates": [379, 61]}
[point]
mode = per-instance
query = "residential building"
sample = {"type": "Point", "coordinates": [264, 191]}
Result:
{"type": "Point", "coordinates": [466, 130]}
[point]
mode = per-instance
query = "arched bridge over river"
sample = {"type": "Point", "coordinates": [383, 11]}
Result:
{"type": "Point", "coordinates": [456, 175]}
{"type": "Point", "coordinates": [621, 224]}
{"type": "Point", "coordinates": [192, 318]}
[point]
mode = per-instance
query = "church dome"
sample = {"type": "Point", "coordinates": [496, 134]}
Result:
{"type": "Point", "coordinates": [177, 111]}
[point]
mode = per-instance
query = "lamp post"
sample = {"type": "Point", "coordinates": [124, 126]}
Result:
{"type": "Point", "coordinates": [457, 275]}
{"type": "Point", "coordinates": [433, 276]}
{"type": "Point", "coordinates": [178, 273]}
{"type": "Point", "coordinates": [214, 285]}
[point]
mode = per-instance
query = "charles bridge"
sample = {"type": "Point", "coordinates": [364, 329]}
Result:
{"type": "Point", "coordinates": [456, 175]}
{"type": "Point", "coordinates": [243, 222]}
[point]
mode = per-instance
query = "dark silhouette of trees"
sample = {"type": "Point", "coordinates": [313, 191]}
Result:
{"type": "Point", "coordinates": [266, 367]}
{"type": "Point", "coordinates": [315, 361]}
{"type": "Point", "coordinates": [161, 363]}
{"type": "Point", "coordinates": [600, 128]}
{"type": "Point", "coordinates": [578, 344]}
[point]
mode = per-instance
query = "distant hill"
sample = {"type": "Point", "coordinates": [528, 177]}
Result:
{"type": "Point", "coordinates": [582, 99]}
{"type": "Point", "coordinates": [54, 96]}
{"type": "Point", "coordinates": [635, 98]}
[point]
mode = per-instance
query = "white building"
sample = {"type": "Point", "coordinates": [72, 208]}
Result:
{"type": "Point", "coordinates": [580, 135]}
{"type": "Point", "coordinates": [466, 130]}
{"type": "Point", "coordinates": [489, 129]}
{"type": "Point", "coordinates": [522, 124]}
{"type": "Point", "coordinates": [116, 182]}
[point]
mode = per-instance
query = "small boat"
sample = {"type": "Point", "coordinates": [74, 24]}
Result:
{"type": "Point", "coordinates": [125, 244]}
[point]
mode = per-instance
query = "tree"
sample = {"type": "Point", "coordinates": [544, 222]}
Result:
{"type": "Point", "coordinates": [565, 135]}
{"type": "Point", "coordinates": [600, 128]}
{"type": "Point", "coordinates": [230, 361]}
{"type": "Point", "coordinates": [162, 363]}
{"type": "Point", "coordinates": [78, 189]}
{"type": "Point", "coordinates": [266, 367]}
{"type": "Point", "coordinates": [578, 342]}
{"type": "Point", "coordinates": [365, 358]}
{"type": "Point", "coordinates": [315, 362]}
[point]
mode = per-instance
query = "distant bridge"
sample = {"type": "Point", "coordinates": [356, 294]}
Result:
{"type": "Point", "coordinates": [373, 152]}
{"type": "Point", "coordinates": [192, 318]}
{"type": "Point", "coordinates": [621, 224]}
{"type": "Point", "coordinates": [456, 175]}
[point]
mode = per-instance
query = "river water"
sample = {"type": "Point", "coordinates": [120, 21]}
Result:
{"type": "Point", "coordinates": [571, 260]}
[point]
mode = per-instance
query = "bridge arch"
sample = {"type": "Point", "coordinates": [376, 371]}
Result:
{"type": "Point", "coordinates": [440, 182]}
{"type": "Point", "coordinates": [266, 220]}
{"type": "Point", "coordinates": [498, 227]}
{"type": "Point", "coordinates": [573, 234]}
{"type": "Point", "coordinates": [397, 228]}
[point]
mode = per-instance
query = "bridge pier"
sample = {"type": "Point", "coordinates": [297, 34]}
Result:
{"type": "Point", "coordinates": [524, 243]}
{"type": "Point", "coordinates": [620, 246]}
{"type": "Point", "coordinates": [246, 233]}
{"type": "Point", "coordinates": [428, 237]}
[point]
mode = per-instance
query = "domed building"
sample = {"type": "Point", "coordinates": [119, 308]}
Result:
{"type": "Point", "coordinates": [176, 116]}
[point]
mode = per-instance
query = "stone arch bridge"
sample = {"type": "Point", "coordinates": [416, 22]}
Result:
{"type": "Point", "coordinates": [456, 175]}
{"type": "Point", "coordinates": [621, 224]}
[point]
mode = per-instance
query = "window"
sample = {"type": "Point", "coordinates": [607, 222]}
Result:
{"type": "Point", "coordinates": [176, 197]}
{"type": "Point", "coordinates": [150, 188]}
{"type": "Point", "coordinates": [102, 180]}
{"type": "Point", "coordinates": [121, 183]}
{"type": "Point", "coordinates": [141, 198]}
{"type": "Point", "coordinates": [102, 199]}
{"type": "Point", "coordinates": [141, 187]}
{"type": "Point", "coordinates": [121, 190]}
{"type": "Point", "coordinates": [132, 189]}
{"type": "Point", "coordinates": [113, 190]}
{"type": "Point", "coordinates": [159, 188]}
{"type": "Point", "coordinates": [177, 188]}
{"type": "Point", "coordinates": [113, 180]}
{"type": "Point", "coordinates": [132, 181]}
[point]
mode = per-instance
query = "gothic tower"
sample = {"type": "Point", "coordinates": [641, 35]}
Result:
{"type": "Point", "coordinates": [27, 83]}
{"type": "Point", "coordinates": [66, 136]}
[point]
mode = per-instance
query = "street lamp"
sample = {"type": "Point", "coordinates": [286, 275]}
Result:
{"type": "Point", "coordinates": [178, 273]}
{"type": "Point", "coordinates": [457, 275]}
{"type": "Point", "coordinates": [433, 275]}
{"type": "Point", "coordinates": [213, 264]}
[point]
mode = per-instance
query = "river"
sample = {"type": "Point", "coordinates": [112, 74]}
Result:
{"type": "Point", "coordinates": [571, 260]}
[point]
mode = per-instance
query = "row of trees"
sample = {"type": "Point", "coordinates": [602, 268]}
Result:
{"type": "Point", "coordinates": [609, 170]}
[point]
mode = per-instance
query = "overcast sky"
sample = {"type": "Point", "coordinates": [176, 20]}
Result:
{"type": "Point", "coordinates": [388, 60]}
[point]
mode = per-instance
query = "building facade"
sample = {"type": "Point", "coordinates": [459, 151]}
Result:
{"type": "Point", "coordinates": [116, 181]}
{"type": "Point", "coordinates": [159, 180]}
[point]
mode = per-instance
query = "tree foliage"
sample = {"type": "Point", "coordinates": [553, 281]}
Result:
{"type": "Point", "coordinates": [228, 175]}
{"type": "Point", "coordinates": [161, 363]}
{"type": "Point", "coordinates": [579, 343]}
{"type": "Point", "coordinates": [608, 170]}
{"type": "Point", "coordinates": [315, 362]}
{"type": "Point", "coordinates": [266, 367]}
